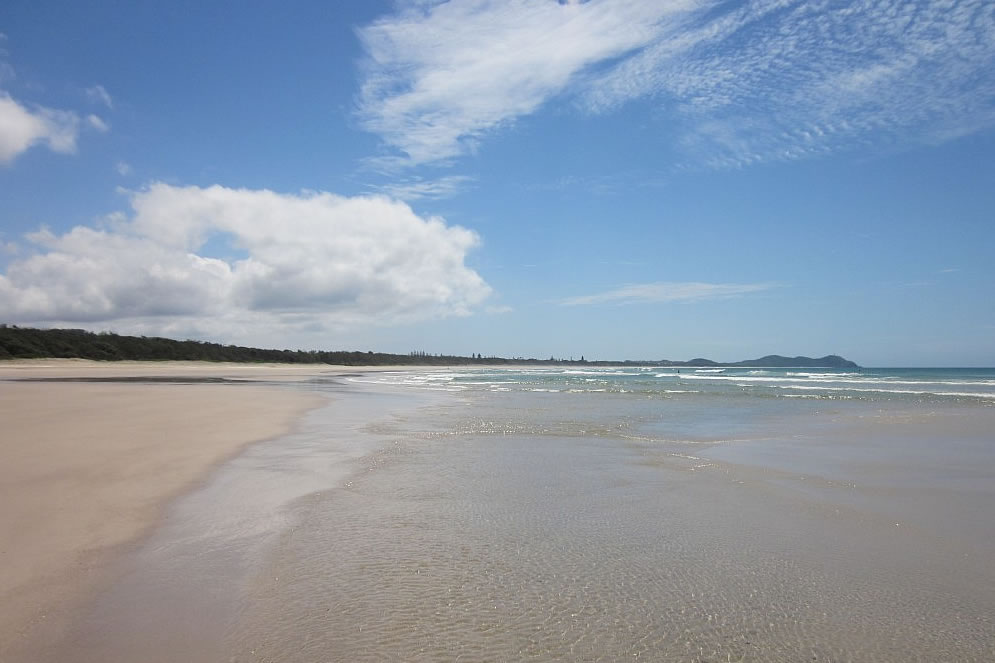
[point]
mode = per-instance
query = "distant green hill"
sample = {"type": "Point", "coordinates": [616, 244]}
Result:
{"type": "Point", "coordinates": [777, 361]}
{"type": "Point", "coordinates": [28, 343]}
{"type": "Point", "coordinates": [770, 361]}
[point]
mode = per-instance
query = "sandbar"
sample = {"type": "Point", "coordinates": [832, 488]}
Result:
{"type": "Point", "coordinates": [88, 466]}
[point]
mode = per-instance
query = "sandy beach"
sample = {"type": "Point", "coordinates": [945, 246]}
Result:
{"type": "Point", "coordinates": [88, 466]}
{"type": "Point", "coordinates": [436, 514]}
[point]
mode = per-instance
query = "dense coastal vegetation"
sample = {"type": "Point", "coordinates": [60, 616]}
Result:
{"type": "Point", "coordinates": [28, 343]}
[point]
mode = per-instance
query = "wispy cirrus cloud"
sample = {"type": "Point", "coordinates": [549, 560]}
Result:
{"type": "Point", "coordinates": [439, 76]}
{"type": "Point", "coordinates": [667, 291]}
{"type": "Point", "coordinates": [780, 80]}
{"type": "Point", "coordinates": [97, 123]}
{"type": "Point", "coordinates": [739, 83]}
{"type": "Point", "coordinates": [416, 188]}
{"type": "Point", "coordinates": [7, 72]}
{"type": "Point", "coordinates": [99, 95]}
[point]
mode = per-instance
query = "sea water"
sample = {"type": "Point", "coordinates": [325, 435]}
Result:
{"type": "Point", "coordinates": [600, 514]}
{"type": "Point", "coordinates": [615, 513]}
{"type": "Point", "coordinates": [911, 385]}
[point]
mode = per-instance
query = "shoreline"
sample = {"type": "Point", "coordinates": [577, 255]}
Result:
{"type": "Point", "coordinates": [17, 369]}
{"type": "Point", "coordinates": [90, 467]}
{"type": "Point", "coordinates": [402, 519]}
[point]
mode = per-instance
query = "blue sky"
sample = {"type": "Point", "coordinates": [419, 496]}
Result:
{"type": "Point", "coordinates": [612, 179]}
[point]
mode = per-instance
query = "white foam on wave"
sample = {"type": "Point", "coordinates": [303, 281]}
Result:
{"type": "Point", "coordinates": [960, 383]}
{"type": "Point", "coordinates": [914, 392]}
{"type": "Point", "coordinates": [435, 377]}
{"type": "Point", "coordinates": [729, 378]}
{"type": "Point", "coordinates": [817, 378]}
{"type": "Point", "coordinates": [601, 372]}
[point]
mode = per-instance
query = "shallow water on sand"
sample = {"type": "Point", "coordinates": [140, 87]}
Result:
{"type": "Point", "coordinates": [490, 529]}
{"type": "Point", "coordinates": [482, 526]}
{"type": "Point", "coordinates": [176, 593]}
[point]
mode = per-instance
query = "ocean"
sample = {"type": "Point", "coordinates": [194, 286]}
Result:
{"type": "Point", "coordinates": [587, 514]}
{"type": "Point", "coordinates": [915, 385]}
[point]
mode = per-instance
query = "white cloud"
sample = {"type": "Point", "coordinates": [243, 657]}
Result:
{"type": "Point", "coordinates": [22, 127]}
{"type": "Point", "coordinates": [97, 124]}
{"type": "Point", "coordinates": [416, 187]}
{"type": "Point", "coordinates": [313, 261]}
{"type": "Point", "coordinates": [666, 292]}
{"type": "Point", "coordinates": [98, 95]}
{"type": "Point", "coordinates": [739, 83]}
{"type": "Point", "coordinates": [439, 76]}
{"type": "Point", "coordinates": [781, 80]}
{"type": "Point", "coordinates": [123, 168]}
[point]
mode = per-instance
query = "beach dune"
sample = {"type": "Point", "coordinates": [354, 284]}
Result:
{"type": "Point", "coordinates": [87, 467]}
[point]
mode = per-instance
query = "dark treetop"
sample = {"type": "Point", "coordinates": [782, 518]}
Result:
{"type": "Point", "coordinates": [27, 343]}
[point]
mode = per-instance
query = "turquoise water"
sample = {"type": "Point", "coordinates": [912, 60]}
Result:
{"type": "Point", "coordinates": [963, 385]}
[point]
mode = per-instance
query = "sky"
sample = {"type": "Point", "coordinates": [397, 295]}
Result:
{"type": "Point", "coordinates": [521, 178]}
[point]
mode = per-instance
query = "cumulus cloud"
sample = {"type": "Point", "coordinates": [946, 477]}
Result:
{"type": "Point", "coordinates": [666, 292]}
{"type": "Point", "coordinates": [21, 127]}
{"type": "Point", "coordinates": [313, 261]}
{"type": "Point", "coordinates": [740, 83]}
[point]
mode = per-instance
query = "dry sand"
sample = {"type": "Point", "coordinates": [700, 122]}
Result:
{"type": "Point", "coordinates": [87, 467]}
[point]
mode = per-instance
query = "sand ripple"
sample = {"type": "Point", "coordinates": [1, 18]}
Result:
{"type": "Point", "coordinates": [482, 547]}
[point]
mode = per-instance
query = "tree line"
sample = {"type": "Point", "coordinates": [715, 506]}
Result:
{"type": "Point", "coordinates": [29, 343]}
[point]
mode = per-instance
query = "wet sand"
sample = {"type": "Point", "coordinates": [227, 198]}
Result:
{"type": "Point", "coordinates": [490, 532]}
{"type": "Point", "coordinates": [88, 467]}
